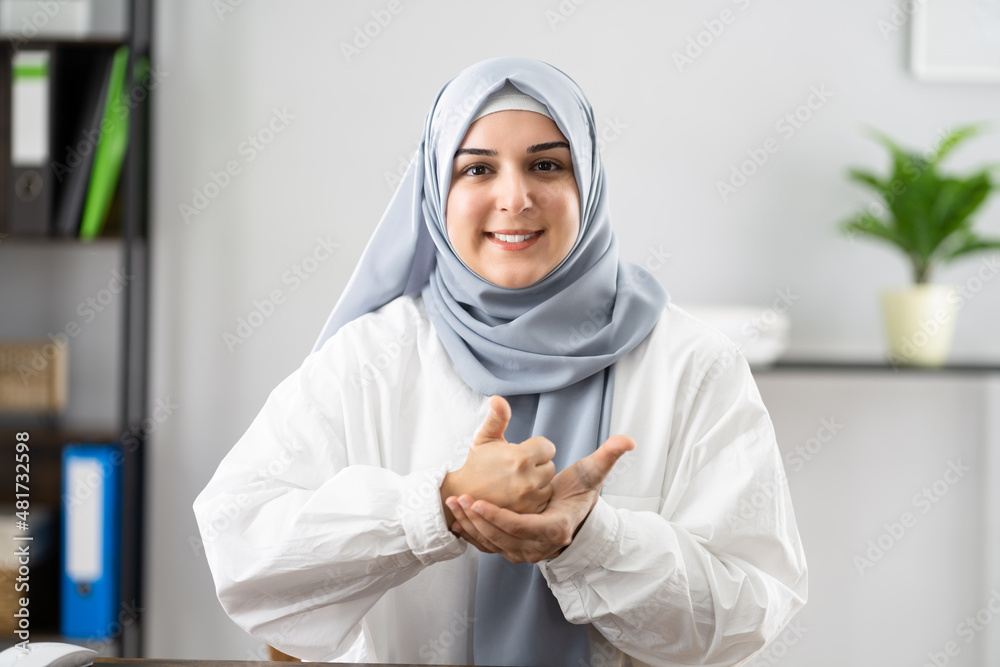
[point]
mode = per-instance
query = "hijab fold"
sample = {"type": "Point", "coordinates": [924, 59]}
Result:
{"type": "Point", "coordinates": [549, 348]}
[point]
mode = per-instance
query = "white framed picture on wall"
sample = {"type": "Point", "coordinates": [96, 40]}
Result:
{"type": "Point", "coordinates": [956, 40]}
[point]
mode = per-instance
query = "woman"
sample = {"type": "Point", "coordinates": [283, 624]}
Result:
{"type": "Point", "coordinates": [437, 484]}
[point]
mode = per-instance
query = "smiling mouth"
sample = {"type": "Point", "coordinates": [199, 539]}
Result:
{"type": "Point", "coordinates": [513, 238]}
{"type": "Point", "coordinates": [514, 241]}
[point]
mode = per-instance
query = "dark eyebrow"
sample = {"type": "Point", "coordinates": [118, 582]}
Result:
{"type": "Point", "coordinates": [488, 152]}
{"type": "Point", "coordinates": [538, 148]}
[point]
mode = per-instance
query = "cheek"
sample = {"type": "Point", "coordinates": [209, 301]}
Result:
{"type": "Point", "coordinates": [565, 205]}
{"type": "Point", "coordinates": [461, 214]}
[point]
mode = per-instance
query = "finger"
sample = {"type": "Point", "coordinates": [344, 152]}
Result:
{"type": "Point", "coordinates": [546, 472]}
{"type": "Point", "coordinates": [502, 526]}
{"type": "Point", "coordinates": [457, 529]}
{"type": "Point", "coordinates": [495, 423]}
{"type": "Point", "coordinates": [539, 450]}
{"type": "Point", "coordinates": [468, 529]}
{"type": "Point", "coordinates": [499, 539]}
{"type": "Point", "coordinates": [598, 465]}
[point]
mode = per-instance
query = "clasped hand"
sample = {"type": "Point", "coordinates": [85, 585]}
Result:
{"type": "Point", "coordinates": [507, 499]}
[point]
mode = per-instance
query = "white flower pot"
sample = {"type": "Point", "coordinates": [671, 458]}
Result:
{"type": "Point", "coordinates": [919, 323]}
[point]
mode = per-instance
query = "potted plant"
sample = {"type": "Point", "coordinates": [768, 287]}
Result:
{"type": "Point", "coordinates": [928, 215]}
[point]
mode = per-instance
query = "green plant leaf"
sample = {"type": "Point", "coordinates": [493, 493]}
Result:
{"type": "Point", "coordinates": [929, 214]}
{"type": "Point", "coordinates": [954, 138]}
{"type": "Point", "coordinates": [955, 202]}
{"type": "Point", "coordinates": [971, 244]}
{"type": "Point", "coordinates": [868, 225]}
{"type": "Point", "coordinates": [867, 178]}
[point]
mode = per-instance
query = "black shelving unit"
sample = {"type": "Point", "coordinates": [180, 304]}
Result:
{"type": "Point", "coordinates": [48, 434]}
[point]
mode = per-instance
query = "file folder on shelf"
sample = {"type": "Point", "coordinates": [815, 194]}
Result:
{"type": "Point", "coordinates": [5, 77]}
{"type": "Point", "coordinates": [79, 132]}
{"type": "Point", "coordinates": [109, 154]}
{"type": "Point", "coordinates": [29, 194]}
{"type": "Point", "coordinates": [91, 541]}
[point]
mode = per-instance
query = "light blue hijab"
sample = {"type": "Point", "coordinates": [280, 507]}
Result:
{"type": "Point", "coordinates": [548, 348]}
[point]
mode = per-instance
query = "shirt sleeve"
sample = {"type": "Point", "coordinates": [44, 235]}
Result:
{"type": "Point", "coordinates": [719, 570]}
{"type": "Point", "coordinates": [302, 542]}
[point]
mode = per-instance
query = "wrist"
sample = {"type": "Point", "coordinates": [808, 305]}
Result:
{"type": "Point", "coordinates": [447, 491]}
{"type": "Point", "coordinates": [576, 531]}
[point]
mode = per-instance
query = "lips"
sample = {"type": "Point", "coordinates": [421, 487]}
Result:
{"type": "Point", "coordinates": [514, 239]}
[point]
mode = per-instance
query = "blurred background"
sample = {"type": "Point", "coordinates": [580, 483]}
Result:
{"type": "Point", "coordinates": [280, 129]}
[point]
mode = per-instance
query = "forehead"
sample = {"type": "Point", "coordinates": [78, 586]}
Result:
{"type": "Point", "coordinates": [512, 127]}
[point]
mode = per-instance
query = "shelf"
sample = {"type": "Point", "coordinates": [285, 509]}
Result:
{"type": "Point", "coordinates": [877, 366]}
{"type": "Point", "coordinates": [45, 437]}
{"type": "Point", "coordinates": [49, 42]}
{"type": "Point", "coordinates": [46, 240]}
{"type": "Point", "coordinates": [45, 278]}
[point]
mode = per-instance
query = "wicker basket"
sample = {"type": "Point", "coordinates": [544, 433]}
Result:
{"type": "Point", "coordinates": [33, 376]}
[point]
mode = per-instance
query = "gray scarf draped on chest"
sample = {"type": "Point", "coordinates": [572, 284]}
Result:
{"type": "Point", "coordinates": [548, 348]}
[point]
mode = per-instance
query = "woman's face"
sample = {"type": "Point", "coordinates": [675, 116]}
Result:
{"type": "Point", "coordinates": [513, 211]}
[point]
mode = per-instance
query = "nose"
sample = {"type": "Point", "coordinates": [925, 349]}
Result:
{"type": "Point", "coordinates": [513, 193]}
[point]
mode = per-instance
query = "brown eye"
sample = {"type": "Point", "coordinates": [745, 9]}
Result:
{"type": "Point", "coordinates": [475, 170]}
{"type": "Point", "coordinates": [546, 165]}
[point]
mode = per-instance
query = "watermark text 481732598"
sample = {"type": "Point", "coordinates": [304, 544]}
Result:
{"type": "Point", "coordinates": [22, 546]}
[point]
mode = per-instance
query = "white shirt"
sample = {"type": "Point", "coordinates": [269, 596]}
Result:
{"type": "Point", "coordinates": [325, 533]}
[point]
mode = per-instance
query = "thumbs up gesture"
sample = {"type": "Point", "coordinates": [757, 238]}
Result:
{"type": "Point", "coordinates": [514, 476]}
{"type": "Point", "coordinates": [533, 537]}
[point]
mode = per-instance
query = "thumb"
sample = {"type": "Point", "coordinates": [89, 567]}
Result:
{"type": "Point", "coordinates": [603, 460]}
{"type": "Point", "coordinates": [495, 423]}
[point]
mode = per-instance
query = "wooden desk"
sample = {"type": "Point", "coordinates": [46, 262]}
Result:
{"type": "Point", "coordinates": [136, 662]}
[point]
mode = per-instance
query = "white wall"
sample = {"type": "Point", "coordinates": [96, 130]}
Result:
{"type": "Point", "coordinates": [324, 176]}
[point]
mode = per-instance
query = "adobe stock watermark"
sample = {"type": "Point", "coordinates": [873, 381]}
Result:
{"type": "Point", "coordinates": [595, 319]}
{"type": "Point", "coordinates": [761, 495]}
{"type": "Point", "coordinates": [86, 486]}
{"type": "Point", "coordinates": [897, 187]}
{"type": "Point", "coordinates": [930, 327]}
{"type": "Point", "coordinates": [649, 608]}
{"type": "Point", "coordinates": [923, 501]}
{"type": "Point", "coordinates": [778, 648]}
{"type": "Point", "coordinates": [128, 614]}
{"type": "Point", "coordinates": [608, 133]}
{"type": "Point", "coordinates": [967, 629]}
{"type": "Point", "coordinates": [435, 650]}
{"type": "Point", "coordinates": [31, 26]}
{"type": "Point", "coordinates": [752, 329]}
{"type": "Point", "coordinates": [764, 493]}
{"type": "Point", "coordinates": [699, 43]}
{"type": "Point", "coordinates": [445, 117]}
{"type": "Point", "coordinates": [366, 33]}
{"type": "Point", "coordinates": [372, 368]}
{"type": "Point", "coordinates": [786, 126]}
{"type": "Point", "coordinates": [265, 307]}
{"type": "Point", "coordinates": [562, 12]}
{"type": "Point", "coordinates": [88, 309]}
{"type": "Point", "coordinates": [228, 511]}
{"type": "Point", "coordinates": [81, 153]}
{"type": "Point", "coordinates": [899, 16]}
{"type": "Point", "coordinates": [806, 451]}
{"type": "Point", "coordinates": [255, 144]}
{"type": "Point", "coordinates": [394, 178]}
{"type": "Point", "coordinates": [224, 8]}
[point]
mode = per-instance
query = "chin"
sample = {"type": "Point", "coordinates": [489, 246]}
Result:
{"type": "Point", "coordinates": [514, 279]}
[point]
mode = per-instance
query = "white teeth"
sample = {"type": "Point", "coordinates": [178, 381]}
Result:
{"type": "Point", "coordinates": [514, 238]}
